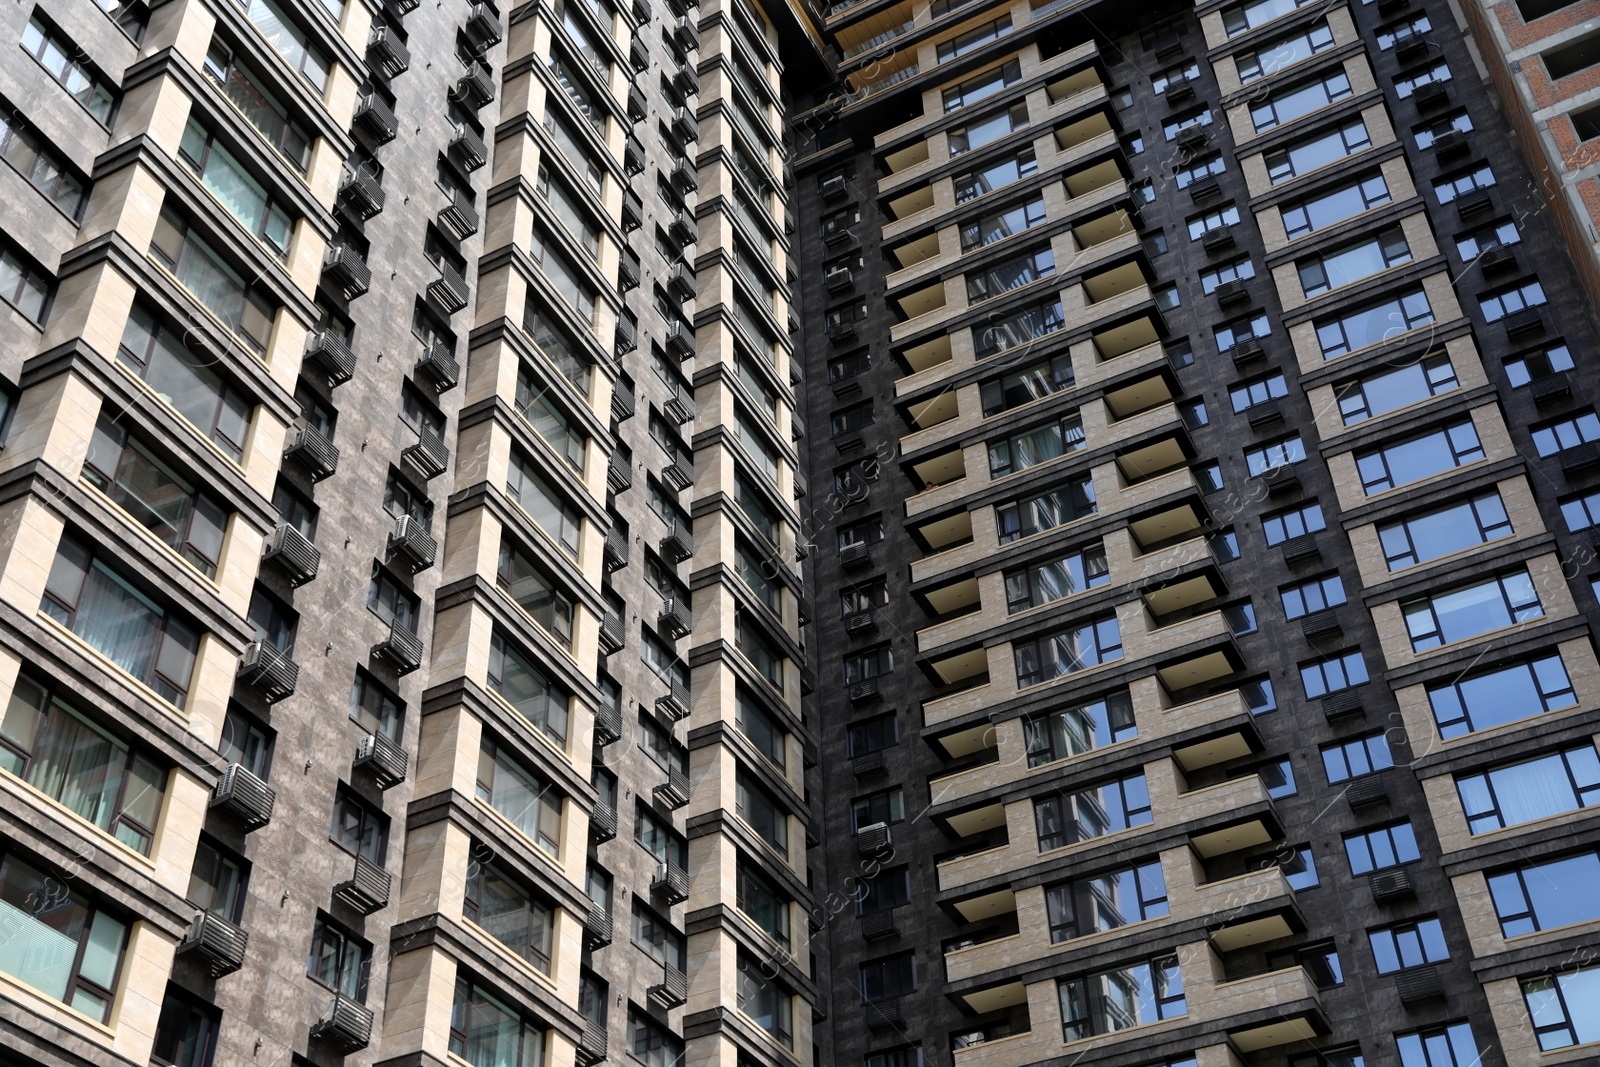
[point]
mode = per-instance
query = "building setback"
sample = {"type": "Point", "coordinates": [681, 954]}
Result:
{"type": "Point", "coordinates": [751, 535]}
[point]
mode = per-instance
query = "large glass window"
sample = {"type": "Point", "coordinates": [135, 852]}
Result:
{"type": "Point", "coordinates": [1565, 1006]}
{"type": "Point", "coordinates": [1299, 100]}
{"type": "Point", "coordinates": [1374, 324]}
{"type": "Point", "coordinates": [1034, 382]}
{"type": "Point", "coordinates": [1345, 670]}
{"type": "Point", "coordinates": [487, 1033]}
{"type": "Point", "coordinates": [525, 798]}
{"type": "Point", "coordinates": [1074, 649]}
{"type": "Point", "coordinates": [1001, 223]}
{"type": "Point", "coordinates": [1066, 818]}
{"type": "Point", "coordinates": [1118, 999]}
{"type": "Point", "coordinates": [1041, 444]}
{"type": "Point", "coordinates": [1381, 393]}
{"type": "Point", "coordinates": [90, 771]}
{"type": "Point", "coordinates": [71, 950]}
{"type": "Point", "coordinates": [537, 404]}
{"type": "Point", "coordinates": [1312, 595]}
{"type": "Point", "coordinates": [1405, 945]}
{"type": "Point", "coordinates": [217, 881]}
{"type": "Point", "coordinates": [1446, 1046]}
{"type": "Point", "coordinates": [1330, 208]}
{"type": "Point", "coordinates": [530, 585]}
{"type": "Point", "coordinates": [990, 128]}
{"type": "Point", "coordinates": [762, 813]}
{"type": "Point", "coordinates": [1439, 532]}
{"type": "Point", "coordinates": [1246, 17]}
{"type": "Point", "coordinates": [37, 160]}
{"type": "Point", "coordinates": [760, 898]}
{"type": "Point", "coordinates": [1530, 789]}
{"type": "Point", "coordinates": [1073, 731]}
{"type": "Point", "coordinates": [1418, 457]}
{"type": "Point", "coordinates": [762, 728]}
{"type": "Point", "coordinates": [159, 499]}
{"type": "Point", "coordinates": [1367, 754]}
{"type": "Point", "coordinates": [1018, 328]}
{"type": "Point", "coordinates": [542, 502]}
{"type": "Point", "coordinates": [292, 42]}
{"type": "Point", "coordinates": [995, 175]}
{"type": "Point", "coordinates": [1013, 273]}
{"type": "Point", "coordinates": [243, 86]}
{"type": "Point", "coordinates": [120, 622]}
{"type": "Point", "coordinates": [359, 828]}
{"type": "Point", "coordinates": [1546, 895]}
{"type": "Point", "coordinates": [1046, 511]}
{"type": "Point", "coordinates": [241, 306]}
{"type": "Point", "coordinates": [186, 379]}
{"type": "Point", "coordinates": [1350, 263]}
{"type": "Point", "coordinates": [511, 914]}
{"type": "Point", "coordinates": [1499, 695]}
{"type": "Point", "coordinates": [1467, 611]}
{"type": "Point", "coordinates": [1284, 52]}
{"type": "Point", "coordinates": [1055, 579]}
{"type": "Point", "coordinates": [764, 1002]}
{"type": "Point", "coordinates": [1568, 433]}
{"type": "Point", "coordinates": [67, 64]}
{"type": "Point", "coordinates": [245, 198]}
{"type": "Point", "coordinates": [1106, 901]}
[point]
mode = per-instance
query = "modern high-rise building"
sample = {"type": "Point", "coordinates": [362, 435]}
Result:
{"type": "Point", "coordinates": [977, 533]}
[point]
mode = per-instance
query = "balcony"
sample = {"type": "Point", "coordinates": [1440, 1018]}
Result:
{"type": "Point", "coordinates": [673, 989]}
{"type": "Point", "coordinates": [438, 365]}
{"type": "Point", "coordinates": [671, 882]}
{"type": "Point", "coordinates": [361, 193]}
{"type": "Point", "coordinates": [482, 28]}
{"type": "Point", "coordinates": [331, 352]}
{"type": "Point", "coordinates": [449, 290]}
{"type": "Point", "coordinates": [1278, 1008]}
{"type": "Point", "coordinates": [375, 117]}
{"type": "Point", "coordinates": [402, 648]}
{"type": "Point", "coordinates": [268, 671]}
{"type": "Point", "coordinates": [311, 449]}
{"type": "Point", "coordinates": [411, 544]}
{"type": "Point", "coordinates": [674, 792]}
{"type": "Point", "coordinates": [345, 1026]}
{"type": "Point", "coordinates": [674, 619]}
{"type": "Point", "coordinates": [218, 944]}
{"type": "Point", "coordinates": [292, 553]}
{"type": "Point", "coordinates": [468, 148]}
{"type": "Point", "coordinates": [366, 890]}
{"type": "Point", "coordinates": [386, 53]}
{"type": "Point", "coordinates": [428, 457]}
{"type": "Point", "coordinates": [475, 87]}
{"type": "Point", "coordinates": [677, 544]}
{"type": "Point", "coordinates": [243, 797]}
{"type": "Point", "coordinates": [675, 702]}
{"type": "Point", "coordinates": [382, 758]}
{"type": "Point", "coordinates": [345, 270]}
{"type": "Point", "coordinates": [597, 926]}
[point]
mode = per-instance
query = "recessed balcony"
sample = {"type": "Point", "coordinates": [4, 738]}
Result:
{"type": "Point", "coordinates": [1081, 130]}
{"type": "Point", "coordinates": [923, 301]}
{"type": "Point", "coordinates": [1122, 338]}
{"type": "Point", "coordinates": [927, 355]}
{"type": "Point", "coordinates": [910, 203]}
{"type": "Point", "coordinates": [907, 157]}
{"type": "Point", "coordinates": [1152, 460]}
{"type": "Point", "coordinates": [1140, 396]}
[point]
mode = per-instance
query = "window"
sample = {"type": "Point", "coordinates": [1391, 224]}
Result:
{"type": "Point", "coordinates": [245, 88]}
{"type": "Point", "coordinates": [996, 175]}
{"type": "Point", "coordinates": [246, 743]}
{"type": "Point", "coordinates": [1284, 52]}
{"type": "Point", "coordinates": [1321, 962]}
{"type": "Point", "coordinates": [530, 585]}
{"type": "Point", "coordinates": [246, 199]}
{"type": "Point", "coordinates": [38, 161]}
{"type": "Point", "coordinates": [1381, 847]}
{"type": "Point", "coordinates": [1064, 652]}
{"type": "Point", "coordinates": [1240, 269]}
{"type": "Point", "coordinates": [23, 284]}
{"type": "Point", "coordinates": [1373, 324]}
{"type": "Point", "coordinates": [1586, 123]}
{"type": "Point", "coordinates": [999, 224]}
{"type": "Point", "coordinates": [1053, 580]}
{"type": "Point", "coordinates": [1446, 1046]}
{"type": "Point", "coordinates": [187, 379]}
{"type": "Point", "coordinates": [883, 891]}
{"type": "Point", "coordinates": [1352, 262]}
{"type": "Point", "coordinates": [186, 1032]}
{"type": "Point", "coordinates": [1467, 611]}
{"type": "Point", "coordinates": [1419, 457]}
{"type": "Point", "coordinates": [65, 63]}
{"type": "Point", "coordinates": [1444, 530]}
{"type": "Point", "coordinates": [119, 622]}
{"type": "Point", "coordinates": [862, 666]}
{"type": "Point", "coordinates": [1406, 945]}
{"type": "Point", "coordinates": [910, 1056]}
{"type": "Point", "coordinates": [568, 208]}
{"type": "Point", "coordinates": [1116, 1000]}
{"type": "Point", "coordinates": [974, 38]}
{"type": "Point", "coordinates": [1330, 208]}
{"type": "Point", "coordinates": [526, 799]}
{"type": "Point", "coordinates": [1316, 151]}
{"type": "Point", "coordinates": [658, 838]}
{"type": "Point", "coordinates": [88, 770]}
{"type": "Point", "coordinates": [1300, 869]}
{"type": "Point", "coordinates": [74, 947]}
{"type": "Point", "coordinates": [217, 881]}
{"type": "Point", "coordinates": [982, 86]}
{"type": "Point", "coordinates": [1565, 1006]}
{"type": "Point", "coordinates": [1046, 511]}
{"type": "Point", "coordinates": [1221, 218]}
{"type": "Point", "coordinates": [155, 496]}
{"type": "Point", "coordinates": [857, 417]}
{"type": "Point", "coordinates": [543, 504]}
{"type": "Point", "coordinates": [1073, 731]}
{"type": "Point", "coordinates": [652, 1043]}
{"type": "Point", "coordinates": [1314, 594]}
{"type": "Point", "coordinates": [1358, 756]}
{"type": "Point", "coordinates": [1032, 383]}
{"type": "Point", "coordinates": [1187, 70]}
{"type": "Point", "coordinates": [1066, 818]}
{"type": "Point", "coordinates": [1017, 329]}
{"type": "Point", "coordinates": [568, 281]}
{"type": "Point", "coordinates": [1525, 369]}
{"type": "Point", "coordinates": [1274, 454]}
{"type": "Point", "coordinates": [1546, 895]}
{"type": "Point", "coordinates": [375, 709]}
{"type": "Point", "coordinates": [1568, 433]}
{"type": "Point", "coordinates": [872, 735]}
{"type": "Point", "coordinates": [1174, 126]}
{"type": "Point", "coordinates": [659, 940]}
{"type": "Point", "coordinates": [1347, 1057]}
{"type": "Point", "coordinates": [509, 913]}
{"type": "Point", "coordinates": [339, 960]}
{"type": "Point", "coordinates": [758, 808]}
{"type": "Point", "coordinates": [487, 1033]}
{"type": "Point", "coordinates": [1246, 17]}
{"type": "Point", "coordinates": [763, 729]}
{"type": "Point", "coordinates": [1040, 444]}
{"type": "Point", "coordinates": [988, 129]}
{"type": "Point", "coordinates": [1106, 902]}
{"type": "Point", "coordinates": [1247, 395]}
{"type": "Point", "coordinates": [1199, 170]}
{"type": "Point", "coordinates": [1502, 302]}
{"type": "Point", "coordinates": [359, 829]}
{"type": "Point", "coordinates": [1530, 789]}
{"type": "Point", "coordinates": [539, 406]}
{"type": "Point", "coordinates": [1499, 695]}
{"type": "Point", "coordinates": [390, 601]}
{"type": "Point", "coordinates": [887, 806]}
{"type": "Point", "coordinates": [765, 1002]}
{"type": "Point", "coordinates": [1254, 325]}
{"type": "Point", "coordinates": [291, 41]}
{"type": "Point", "coordinates": [1013, 273]}
{"type": "Point", "coordinates": [1389, 390]}
{"type": "Point", "coordinates": [885, 979]}
{"type": "Point", "coordinates": [1447, 189]}
{"type": "Point", "coordinates": [761, 900]}
{"type": "Point", "coordinates": [1582, 512]}
{"type": "Point", "coordinates": [1299, 100]}
{"type": "Point", "coordinates": [1295, 522]}
{"type": "Point", "coordinates": [240, 305]}
{"type": "Point", "coordinates": [1343, 671]}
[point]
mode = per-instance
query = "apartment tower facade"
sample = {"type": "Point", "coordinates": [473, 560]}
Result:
{"type": "Point", "coordinates": [749, 535]}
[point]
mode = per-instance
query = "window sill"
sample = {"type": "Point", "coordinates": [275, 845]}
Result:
{"type": "Point", "coordinates": [49, 1007]}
